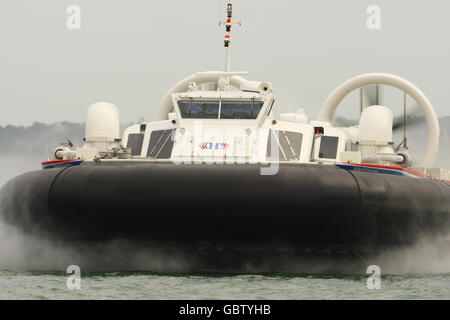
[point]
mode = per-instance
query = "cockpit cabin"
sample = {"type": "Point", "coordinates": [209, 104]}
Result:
{"type": "Point", "coordinates": [235, 127]}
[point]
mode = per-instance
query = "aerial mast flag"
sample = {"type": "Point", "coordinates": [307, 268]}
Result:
{"type": "Point", "coordinates": [227, 42]}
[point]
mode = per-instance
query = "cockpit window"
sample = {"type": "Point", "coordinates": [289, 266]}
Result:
{"type": "Point", "coordinates": [205, 109]}
{"type": "Point", "coordinates": [229, 109]}
{"type": "Point", "coordinates": [199, 109]}
{"type": "Point", "coordinates": [185, 108]}
{"type": "Point", "coordinates": [240, 109]}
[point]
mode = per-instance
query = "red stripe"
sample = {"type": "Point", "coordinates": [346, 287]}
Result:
{"type": "Point", "coordinates": [406, 170]}
{"type": "Point", "coordinates": [444, 181]}
{"type": "Point", "coordinates": [57, 161]}
{"type": "Point", "coordinates": [414, 172]}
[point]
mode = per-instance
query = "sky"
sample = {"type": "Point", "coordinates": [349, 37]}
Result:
{"type": "Point", "coordinates": [130, 53]}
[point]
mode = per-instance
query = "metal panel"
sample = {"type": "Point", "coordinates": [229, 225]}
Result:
{"type": "Point", "coordinates": [328, 147]}
{"type": "Point", "coordinates": [135, 143]}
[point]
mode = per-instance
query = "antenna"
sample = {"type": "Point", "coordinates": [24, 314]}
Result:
{"type": "Point", "coordinates": [405, 122]}
{"type": "Point", "coordinates": [227, 42]}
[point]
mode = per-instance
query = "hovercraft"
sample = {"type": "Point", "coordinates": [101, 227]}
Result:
{"type": "Point", "coordinates": [216, 174]}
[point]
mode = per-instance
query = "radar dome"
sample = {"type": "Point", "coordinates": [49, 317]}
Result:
{"type": "Point", "coordinates": [102, 123]}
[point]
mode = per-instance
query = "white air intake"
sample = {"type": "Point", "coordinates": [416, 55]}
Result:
{"type": "Point", "coordinates": [102, 124]}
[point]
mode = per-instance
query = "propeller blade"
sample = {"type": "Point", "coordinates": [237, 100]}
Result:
{"type": "Point", "coordinates": [412, 123]}
{"type": "Point", "coordinates": [414, 118]}
{"type": "Point", "coordinates": [343, 122]}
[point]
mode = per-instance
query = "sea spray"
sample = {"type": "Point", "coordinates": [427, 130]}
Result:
{"type": "Point", "coordinates": [21, 252]}
{"type": "Point", "coordinates": [426, 256]}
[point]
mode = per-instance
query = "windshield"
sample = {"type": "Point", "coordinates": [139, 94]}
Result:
{"type": "Point", "coordinates": [228, 109]}
{"type": "Point", "coordinates": [199, 109]}
{"type": "Point", "coordinates": [240, 109]}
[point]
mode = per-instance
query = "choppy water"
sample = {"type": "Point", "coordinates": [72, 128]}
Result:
{"type": "Point", "coordinates": [141, 285]}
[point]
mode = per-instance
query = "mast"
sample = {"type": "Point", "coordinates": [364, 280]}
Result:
{"type": "Point", "coordinates": [227, 42]}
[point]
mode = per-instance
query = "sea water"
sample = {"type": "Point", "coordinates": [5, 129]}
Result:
{"type": "Point", "coordinates": [146, 285]}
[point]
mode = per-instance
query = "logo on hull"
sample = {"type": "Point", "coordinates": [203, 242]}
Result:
{"type": "Point", "coordinates": [214, 146]}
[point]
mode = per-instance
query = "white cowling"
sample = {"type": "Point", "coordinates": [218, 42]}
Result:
{"type": "Point", "coordinates": [329, 107]}
{"type": "Point", "coordinates": [102, 123]}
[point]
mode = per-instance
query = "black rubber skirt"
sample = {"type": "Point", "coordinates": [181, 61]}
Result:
{"type": "Point", "coordinates": [300, 205]}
